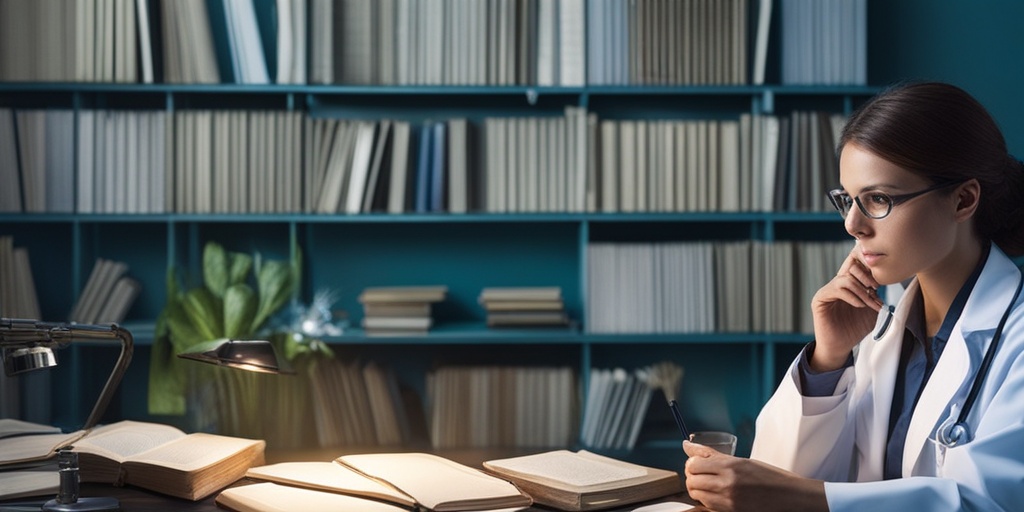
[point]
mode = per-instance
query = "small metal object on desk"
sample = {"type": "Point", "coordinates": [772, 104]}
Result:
{"type": "Point", "coordinates": [67, 499]}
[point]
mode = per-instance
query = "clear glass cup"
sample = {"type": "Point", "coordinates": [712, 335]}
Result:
{"type": "Point", "coordinates": [721, 441]}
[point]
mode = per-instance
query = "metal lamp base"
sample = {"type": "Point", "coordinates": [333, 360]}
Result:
{"type": "Point", "coordinates": [83, 504]}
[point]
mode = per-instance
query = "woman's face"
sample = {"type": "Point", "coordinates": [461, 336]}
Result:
{"type": "Point", "coordinates": [916, 236]}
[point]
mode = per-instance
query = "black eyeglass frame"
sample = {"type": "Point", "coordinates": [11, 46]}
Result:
{"type": "Point", "coordinates": [837, 196]}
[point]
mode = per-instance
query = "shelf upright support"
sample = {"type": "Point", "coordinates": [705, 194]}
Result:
{"type": "Point", "coordinates": [767, 101]}
{"type": "Point", "coordinates": [768, 367]}
{"type": "Point", "coordinates": [531, 96]}
{"type": "Point", "coordinates": [585, 346]}
{"type": "Point", "coordinates": [293, 250]}
{"type": "Point", "coordinates": [847, 105]}
{"type": "Point", "coordinates": [584, 241]}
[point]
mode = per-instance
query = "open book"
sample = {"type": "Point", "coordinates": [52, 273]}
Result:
{"type": "Point", "coordinates": [164, 459]}
{"type": "Point", "coordinates": [583, 480]}
{"type": "Point", "coordinates": [270, 496]}
{"type": "Point", "coordinates": [410, 480]}
{"type": "Point", "coordinates": [23, 442]}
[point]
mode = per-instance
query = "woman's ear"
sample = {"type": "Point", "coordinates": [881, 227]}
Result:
{"type": "Point", "coordinates": [968, 194]}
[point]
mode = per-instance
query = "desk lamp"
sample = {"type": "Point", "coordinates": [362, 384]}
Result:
{"type": "Point", "coordinates": [250, 355]}
{"type": "Point", "coordinates": [27, 345]}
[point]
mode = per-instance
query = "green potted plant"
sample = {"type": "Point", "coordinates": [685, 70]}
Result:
{"type": "Point", "coordinates": [239, 293]}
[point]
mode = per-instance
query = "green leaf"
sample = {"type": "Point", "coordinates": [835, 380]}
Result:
{"type": "Point", "coordinates": [240, 264]}
{"type": "Point", "coordinates": [215, 268]}
{"type": "Point", "coordinates": [205, 312]}
{"type": "Point", "coordinates": [274, 279]}
{"type": "Point", "coordinates": [239, 311]}
{"type": "Point", "coordinates": [166, 380]}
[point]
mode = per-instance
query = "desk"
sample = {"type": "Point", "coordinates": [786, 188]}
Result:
{"type": "Point", "coordinates": [135, 499]}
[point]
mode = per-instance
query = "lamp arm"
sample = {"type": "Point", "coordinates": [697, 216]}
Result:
{"type": "Point", "coordinates": [27, 333]}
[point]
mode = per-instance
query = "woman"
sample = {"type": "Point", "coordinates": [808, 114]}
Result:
{"type": "Point", "coordinates": [865, 416]}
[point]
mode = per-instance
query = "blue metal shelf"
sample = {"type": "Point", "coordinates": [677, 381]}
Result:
{"type": "Point", "coordinates": [477, 333]}
{"type": "Point", "coordinates": [436, 90]}
{"type": "Point", "coordinates": [413, 218]}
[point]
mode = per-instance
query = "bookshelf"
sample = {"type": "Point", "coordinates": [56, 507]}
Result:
{"type": "Point", "coordinates": [729, 375]}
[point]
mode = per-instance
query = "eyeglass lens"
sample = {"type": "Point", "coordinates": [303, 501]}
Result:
{"type": "Point", "coordinates": [873, 204]}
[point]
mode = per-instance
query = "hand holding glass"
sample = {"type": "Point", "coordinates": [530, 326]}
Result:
{"type": "Point", "coordinates": [721, 441]}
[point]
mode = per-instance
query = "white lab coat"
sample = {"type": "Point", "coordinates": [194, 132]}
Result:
{"type": "Point", "coordinates": [841, 438]}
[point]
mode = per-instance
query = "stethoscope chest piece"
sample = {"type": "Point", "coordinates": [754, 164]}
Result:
{"type": "Point", "coordinates": [954, 434]}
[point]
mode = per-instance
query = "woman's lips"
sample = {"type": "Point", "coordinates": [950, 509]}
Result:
{"type": "Point", "coordinates": [871, 258]}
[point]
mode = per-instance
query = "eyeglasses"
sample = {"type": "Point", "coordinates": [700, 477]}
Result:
{"type": "Point", "coordinates": [876, 205]}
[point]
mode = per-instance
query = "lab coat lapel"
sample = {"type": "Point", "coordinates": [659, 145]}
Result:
{"type": "Point", "coordinates": [948, 376]}
{"type": "Point", "coordinates": [885, 358]}
{"type": "Point", "coordinates": [989, 298]}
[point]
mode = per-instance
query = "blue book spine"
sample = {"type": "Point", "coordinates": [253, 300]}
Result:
{"type": "Point", "coordinates": [438, 170]}
{"type": "Point", "coordinates": [423, 171]}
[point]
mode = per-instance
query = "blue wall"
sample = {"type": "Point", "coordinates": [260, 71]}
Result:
{"type": "Point", "coordinates": [975, 44]}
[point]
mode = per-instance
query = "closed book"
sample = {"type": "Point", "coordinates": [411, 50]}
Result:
{"type": "Point", "coordinates": [583, 480]}
{"type": "Point", "coordinates": [521, 293]}
{"type": "Point", "coordinates": [403, 294]}
{"type": "Point", "coordinates": [379, 309]}
{"type": "Point", "coordinates": [397, 322]}
{"type": "Point", "coordinates": [521, 318]}
{"type": "Point", "coordinates": [523, 305]}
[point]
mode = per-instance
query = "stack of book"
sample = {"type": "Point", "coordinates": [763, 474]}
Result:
{"type": "Point", "coordinates": [17, 288]}
{"type": "Point", "coordinates": [617, 402]}
{"type": "Point", "coordinates": [108, 295]}
{"type": "Point", "coordinates": [399, 310]}
{"type": "Point", "coordinates": [524, 306]}
{"type": "Point", "coordinates": [357, 404]}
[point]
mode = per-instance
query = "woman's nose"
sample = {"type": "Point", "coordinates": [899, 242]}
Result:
{"type": "Point", "coordinates": [856, 223]}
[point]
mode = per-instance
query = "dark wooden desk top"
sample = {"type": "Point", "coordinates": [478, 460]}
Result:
{"type": "Point", "coordinates": [135, 499]}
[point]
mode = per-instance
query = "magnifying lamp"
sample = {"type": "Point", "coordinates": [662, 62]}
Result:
{"type": "Point", "coordinates": [27, 345]}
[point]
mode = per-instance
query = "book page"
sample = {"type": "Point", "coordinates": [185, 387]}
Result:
{"type": "Point", "coordinates": [122, 440]}
{"type": "Point", "coordinates": [438, 483]}
{"type": "Point", "coordinates": [11, 427]}
{"type": "Point", "coordinates": [329, 476]}
{"type": "Point", "coordinates": [567, 468]}
{"type": "Point", "coordinates": [272, 497]}
{"type": "Point", "coordinates": [19, 484]}
{"type": "Point", "coordinates": [34, 447]}
{"type": "Point", "coordinates": [194, 451]}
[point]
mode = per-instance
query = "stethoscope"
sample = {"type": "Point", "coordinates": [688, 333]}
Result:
{"type": "Point", "coordinates": [953, 433]}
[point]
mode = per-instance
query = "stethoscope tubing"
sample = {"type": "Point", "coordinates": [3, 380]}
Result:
{"type": "Point", "coordinates": [986, 362]}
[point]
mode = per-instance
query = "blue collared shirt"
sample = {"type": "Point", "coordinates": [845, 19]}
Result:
{"type": "Point", "coordinates": [917, 360]}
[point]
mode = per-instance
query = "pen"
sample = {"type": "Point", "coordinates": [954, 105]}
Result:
{"type": "Point", "coordinates": [679, 419]}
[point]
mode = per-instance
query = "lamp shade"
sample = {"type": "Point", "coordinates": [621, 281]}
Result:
{"type": "Point", "coordinates": [251, 355]}
{"type": "Point", "coordinates": [25, 359]}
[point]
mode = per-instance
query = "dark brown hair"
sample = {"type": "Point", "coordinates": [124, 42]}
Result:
{"type": "Point", "coordinates": [942, 133]}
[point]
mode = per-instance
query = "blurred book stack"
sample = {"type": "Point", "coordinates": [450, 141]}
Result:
{"type": "Point", "coordinates": [108, 294]}
{"type": "Point", "coordinates": [502, 406]}
{"type": "Point", "coordinates": [357, 404]}
{"type": "Point", "coordinates": [17, 287]}
{"type": "Point", "coordinates": [399, 310]}
{"type": "Point", "coordinates": [617, 403]}
{"type": "Point", "coordinates": [524, 306]}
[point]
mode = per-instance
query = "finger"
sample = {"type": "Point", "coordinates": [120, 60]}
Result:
{"type": "Point", "coordinates": [863, 274]}
{"type": "Point", "coordinates": [857, 295]}
{"type": "Point", "coordinates": [697, 450]}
